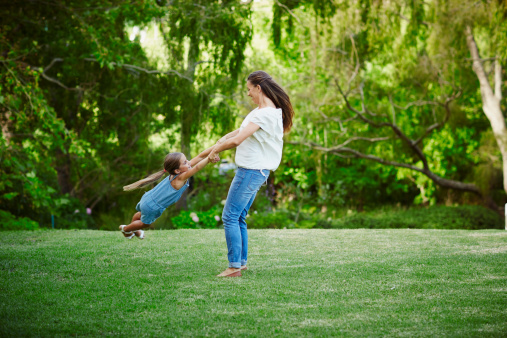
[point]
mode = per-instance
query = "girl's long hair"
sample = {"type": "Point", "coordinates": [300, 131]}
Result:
{"type": "Point", "coordinates": [276, 94]}
{"type": "Point", "coordinates": [171, 163]}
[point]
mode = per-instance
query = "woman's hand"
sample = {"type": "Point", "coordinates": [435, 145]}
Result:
{"type": "Point", "coordinates": [216, 159]}
{"type": "Point", "coordinates": [212, 155]}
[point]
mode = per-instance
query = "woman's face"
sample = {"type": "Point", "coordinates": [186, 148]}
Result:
{"type": "Point", "coordinates": [254, 92]}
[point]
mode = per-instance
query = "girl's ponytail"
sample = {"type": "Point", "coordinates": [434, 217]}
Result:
{"type": "Point", "coordinates": [171, 164]}
{"type": "Point", "coordinates": [145, 181]}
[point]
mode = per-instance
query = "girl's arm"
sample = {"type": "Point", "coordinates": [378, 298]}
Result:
{"type": "Point", "coordinates": [181, 178]}
{"type": "Point", "coordinates": [206, 152]}
{"type": "Point", "coordinates": [200, 157]}
{"type": "Point", "coordinates": [234, 141]}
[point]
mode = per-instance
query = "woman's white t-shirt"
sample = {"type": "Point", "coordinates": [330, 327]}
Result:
{"type": "Point", "coordinates": [263, 149]}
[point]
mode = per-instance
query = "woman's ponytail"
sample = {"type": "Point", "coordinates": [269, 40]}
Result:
{"type": "Point", "coordinates": [276, 94]}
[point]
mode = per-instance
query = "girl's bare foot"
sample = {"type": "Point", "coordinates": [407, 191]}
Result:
{"type": "Point", "coordinates": [230, 272]}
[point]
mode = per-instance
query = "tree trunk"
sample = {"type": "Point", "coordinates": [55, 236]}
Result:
{"type": "Point", "coordinates": [491, 100]}
{"type": "Point", "coordinates": [188, 114]}
{"type": "Point", "coordinates": [63, 166]}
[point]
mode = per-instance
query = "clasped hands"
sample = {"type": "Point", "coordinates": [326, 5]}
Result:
{"type": "Point", "coordinates": [213, 157]}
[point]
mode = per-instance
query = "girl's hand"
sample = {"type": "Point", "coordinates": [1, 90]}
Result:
{"type": "Point", "coordinates": [215, 159]}
{"type": "Point", "coordinates": [211, 155]}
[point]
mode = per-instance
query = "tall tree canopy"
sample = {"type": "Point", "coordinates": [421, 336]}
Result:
{"type": "Point", "coordinates": [392, 82]}
{"type": "Point", "coordinates": [80, 100]}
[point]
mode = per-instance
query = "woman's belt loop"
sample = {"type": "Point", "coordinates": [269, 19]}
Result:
{"type": "Point", "coordinates": [266, 178]}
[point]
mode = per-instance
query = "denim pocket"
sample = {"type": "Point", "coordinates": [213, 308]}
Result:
{"type": "Point", "coordinates": [256, 180]}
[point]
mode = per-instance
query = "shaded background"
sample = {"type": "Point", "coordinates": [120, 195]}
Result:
{"type": "Point", "coordinates": [390, 129]}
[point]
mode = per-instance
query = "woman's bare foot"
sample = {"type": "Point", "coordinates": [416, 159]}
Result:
{"type": "Point", "coordinates": [243, 267]}
{"type": "Point", "coordinates": [230, 272]}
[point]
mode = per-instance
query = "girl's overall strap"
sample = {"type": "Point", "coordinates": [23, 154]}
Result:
{"type": "Point", "coordinates": [170, 180]}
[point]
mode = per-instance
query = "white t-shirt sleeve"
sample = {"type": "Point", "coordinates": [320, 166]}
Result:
{"type": "Point", "coordinates": [267, 120]}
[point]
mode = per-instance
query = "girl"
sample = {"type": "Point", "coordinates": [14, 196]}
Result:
{"type": "Point", "coordinates": [259, 143]}
{"type": "Point", "coordinates": [167, 192]}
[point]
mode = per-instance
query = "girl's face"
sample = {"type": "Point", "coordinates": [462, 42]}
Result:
{"type": "Point", "coordinates": [254, 92]}
{"type": "Point", "coordinates": [184, 165]}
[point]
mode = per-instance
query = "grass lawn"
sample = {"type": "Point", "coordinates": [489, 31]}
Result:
{"type": "Point", "coordinates": [299, 283]}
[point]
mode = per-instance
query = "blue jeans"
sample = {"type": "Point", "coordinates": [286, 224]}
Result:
{"type": "Point", "coordinates": [241, 195]}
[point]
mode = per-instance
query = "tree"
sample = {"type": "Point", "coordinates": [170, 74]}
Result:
{"type": "Point", "coordinates": [75, 109]}
{"type": "Point", "coordinates": [206, 42]}
{"type": "Point", "coordinates": [491, 99]}
{"type": "Point", "coordinates": [396, 71]}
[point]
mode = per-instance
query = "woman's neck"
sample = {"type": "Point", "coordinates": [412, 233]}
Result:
{"type": "Point", "coordinates": [266, 102]}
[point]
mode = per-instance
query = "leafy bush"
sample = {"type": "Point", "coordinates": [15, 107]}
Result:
{"type": "Point", "coordinates": [198, 219]}
{"type": "Point", "coordinates": [69, 213]}
{"type": "Point", "coordinates": [278, 219]}
{"type": "Point", "coordinates": [468, 217]}
{"type": "Point", "coordinates": [11, 222]}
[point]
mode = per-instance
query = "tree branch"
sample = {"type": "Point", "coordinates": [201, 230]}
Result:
{"type": "Point", "coordinates": [148, 71]}
{"type": "Point", "coordinates": [478, 67]}
{"type": "Point", "coordinates": [445, 183]}
{"type": "Point", "coordinates": [498, 79]}
{"type": "Point", "coordinates": [393, 127]}
{"type": "Point", "coordinates": [50, 79]}
{"type": "Point", "coordinates": [288, 11]}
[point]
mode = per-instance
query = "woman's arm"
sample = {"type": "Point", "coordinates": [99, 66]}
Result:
{"type": "Point", "coordinates": [228, 136]}
{"type": "Point", "coordinates": [234, 141]}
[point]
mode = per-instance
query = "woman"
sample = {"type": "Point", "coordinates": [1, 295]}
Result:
{"type": "Point", "coordinates": [259, 143]}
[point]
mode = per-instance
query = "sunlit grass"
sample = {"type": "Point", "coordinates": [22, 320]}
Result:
{"type": "Point", "coordinates": [299, 283]}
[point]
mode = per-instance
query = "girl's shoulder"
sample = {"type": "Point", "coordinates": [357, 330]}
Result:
{"type": "Point", "coordinates": [177, 182]}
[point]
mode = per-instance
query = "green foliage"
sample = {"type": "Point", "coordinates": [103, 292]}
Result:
{"type": "Point", "coordinates": [466, 217]}
{"type": "Point", "coordinates": [437, 217]}
{"type": "Point", "coordinates": [198, 219]}
{"type": "Point", "coordinates": [278, 219]}
{"type": "Point", "coordinates": [400, 60]}
{"type": "Point", "coordinates": [86, 110]}
{"type": "Point", "coordinates": [11, 222]}
{"type": "Point", "coordinates": [79, 100]}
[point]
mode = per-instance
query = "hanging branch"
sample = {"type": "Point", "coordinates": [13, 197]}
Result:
{"type": "Point", "coordinates": [366, 116]}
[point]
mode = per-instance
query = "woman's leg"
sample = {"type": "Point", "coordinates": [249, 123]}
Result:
{"type": "Point", "coordinates": [244, 231]}
{"type": "Point", "coordinates": [241, 195]}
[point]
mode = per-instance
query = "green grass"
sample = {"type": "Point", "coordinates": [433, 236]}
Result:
{"type": "Point", "coordinates": [299, 283]}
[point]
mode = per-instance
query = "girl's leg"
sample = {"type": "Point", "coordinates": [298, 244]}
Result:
{"type": "Point", "coordinates": [136, 217]}
{"type": "Point", "coordinates": [136, 225]}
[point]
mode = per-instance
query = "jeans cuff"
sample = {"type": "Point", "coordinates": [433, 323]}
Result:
{"type": "Point", "coordinates": [243, 262]}
{"type": "Point", "coordinates": [235, 265]}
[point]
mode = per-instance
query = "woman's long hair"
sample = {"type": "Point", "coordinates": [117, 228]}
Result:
{"type": "Point", "coordinates": [171, 163]}
{"type": "Point", "coordinates": [276, 94]}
